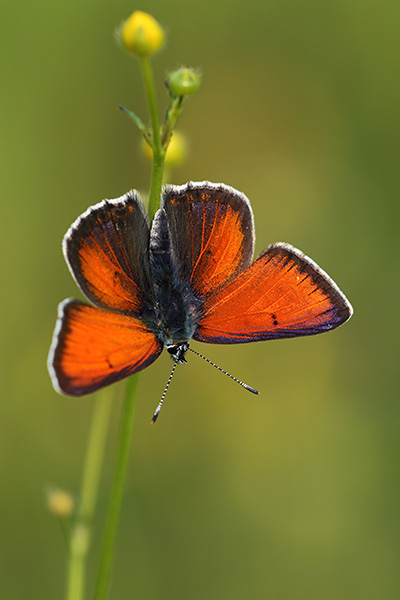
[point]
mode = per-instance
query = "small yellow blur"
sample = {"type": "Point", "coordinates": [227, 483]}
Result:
{"type": "Point", "coordinates": [176, 152]}
{"type": "Point", "coordinates": [60, 502]}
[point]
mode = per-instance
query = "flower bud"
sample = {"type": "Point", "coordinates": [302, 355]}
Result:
{"type": "Point", "coordinates": [141, 34]}
{"type": "Point", "coordinates": [60, 503]}
{"type": "Point", "coordinates": [176, 151]}
{"type": "Point", "coordinates": [183, 82]}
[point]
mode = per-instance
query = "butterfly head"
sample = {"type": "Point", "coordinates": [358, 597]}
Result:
{"type": "Point", "coordinates": [178, 351]}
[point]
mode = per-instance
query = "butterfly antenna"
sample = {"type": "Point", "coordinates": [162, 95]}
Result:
{"type": "Point", "coordinates": [246, 387]}
{"type": "Point", "coordinates": [165, 390]}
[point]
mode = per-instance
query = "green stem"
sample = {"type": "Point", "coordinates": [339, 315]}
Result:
{"type": "Point", "coordinates": [158, 151]}
{"type": "Point", "coordinates": [81, 530]}
{"type": "Point", "coordinates": [65, 526]}
{"type": "Point", "coordinates": [117, 487]}
{"type": "Point", "coordinates": [157, 173]}
{"type": "Point", "coordinates": [125, 434]}
{"type": "Point", "coordinates": [174, 111]}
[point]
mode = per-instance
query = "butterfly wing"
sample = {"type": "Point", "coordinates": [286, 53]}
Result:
{"type": "Point", "coordinates": [93, 347]}
{"type": "Point", "coordinates": [107, 252]}
{"type": "Point", "coordinates": [282, 294]}
{"type": "Point", "coordinates": [212, 233]}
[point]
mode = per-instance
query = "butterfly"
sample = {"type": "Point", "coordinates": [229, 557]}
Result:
{"type": "Point", "coordinates": [188, 275]}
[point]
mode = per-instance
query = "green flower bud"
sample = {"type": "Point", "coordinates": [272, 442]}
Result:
{"type": "Point", "coordinates": [183, 82]}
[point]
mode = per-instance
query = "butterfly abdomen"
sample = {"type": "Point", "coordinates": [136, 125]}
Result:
{"type": "Point", "coordinates": [175, 305]}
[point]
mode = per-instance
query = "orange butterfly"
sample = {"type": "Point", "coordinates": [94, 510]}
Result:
{"type": "Point", "coordinates": [189, 276]}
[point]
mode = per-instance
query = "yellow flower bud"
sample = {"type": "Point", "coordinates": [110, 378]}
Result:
{"type": "Point", "coordinates": [176, 151]}
{"type": "Point", "coordinates": [60, 503]}
{"type": "Point", "coordinates": [141, 34]}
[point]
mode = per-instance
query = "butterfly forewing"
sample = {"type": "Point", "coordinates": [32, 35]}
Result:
{"type": "Point", "coordinates": [93, 347]}
{"type": "Point", "coordinates": [107, 252]}
{"type": "Point", "coordinates": [282, 294]}
{"type": "Point", "coordinates": [212, 232]}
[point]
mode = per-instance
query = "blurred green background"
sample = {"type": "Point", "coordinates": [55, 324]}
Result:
{"type": "Point", "coordinates": [294, 494]}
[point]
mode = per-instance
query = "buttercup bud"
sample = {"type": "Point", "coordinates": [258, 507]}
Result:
{"type": "Point", "coordinates": [60, 502]}
{"type": "Point", "coordinates": [141, 34]}
{"type": "Point", "coordinates": [176, 151]}
{"type": "Point", "coordinates": [183, 82]}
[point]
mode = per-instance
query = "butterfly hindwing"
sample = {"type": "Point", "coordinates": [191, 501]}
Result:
{"type": "Point", "coordinates": [93, 347]}
{"type": "Point", "coordinates": [107, 252]}
{"type": "Point", "coordinates": [212, 232]}
{"type": "Point", "coordinates": [282, 294]}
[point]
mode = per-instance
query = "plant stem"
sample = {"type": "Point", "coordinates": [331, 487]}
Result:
{"type": "Point", "coordinates": [117, 487]}
{"type": "Point", "coordinates": [126, 426]}
{"type": "Point", "coordinates": [174, 111]}
{"type": "Point", "coordinates": [81, 530]}
{"type": "Point", "coordinates": [158, 151]}
{"type": "Point", "coordinates": [157, 173]}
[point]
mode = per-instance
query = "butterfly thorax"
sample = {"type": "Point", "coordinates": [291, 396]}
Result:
{"type": "Point", "coordinates": [175, 307]}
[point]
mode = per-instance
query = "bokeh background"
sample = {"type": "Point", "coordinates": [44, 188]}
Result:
{"type": "Point", "coordinates": [294, 494]}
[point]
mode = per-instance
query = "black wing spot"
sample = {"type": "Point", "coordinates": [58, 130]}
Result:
{"type": "Point", "coordinates": [275, 320]}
